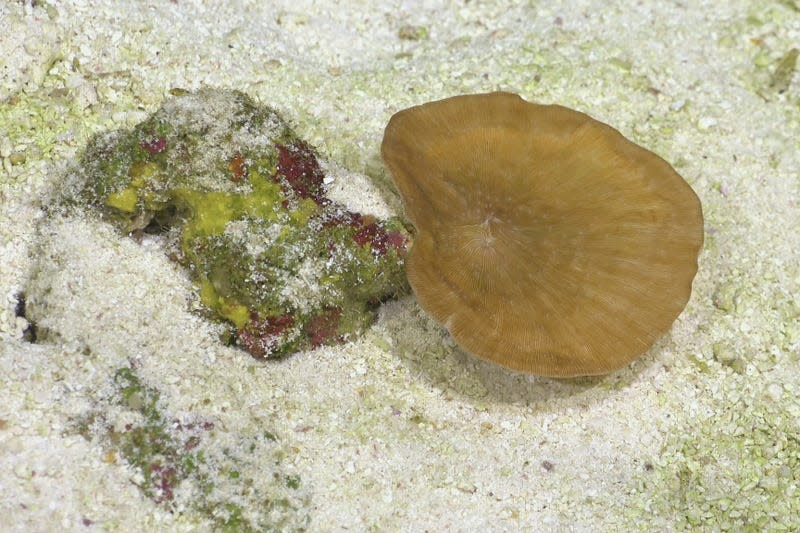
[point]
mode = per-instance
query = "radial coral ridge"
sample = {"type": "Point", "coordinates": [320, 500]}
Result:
{"type": "Point", "coordinates": [546, 241]}
{"type": "Point", "coordinates": [241, 201]}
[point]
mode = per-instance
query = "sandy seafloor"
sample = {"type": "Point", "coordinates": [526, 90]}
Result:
{"type": "Point", "coordinates": [400, 431]}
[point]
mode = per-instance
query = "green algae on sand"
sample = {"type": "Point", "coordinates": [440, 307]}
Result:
{"type": "Point", "coordinates": [240, 201]}
{"type": "Point", "coordinates": [193, 469]}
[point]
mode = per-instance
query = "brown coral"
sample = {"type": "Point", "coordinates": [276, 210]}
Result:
{"type": "Point", "coordinates": [546, 241]}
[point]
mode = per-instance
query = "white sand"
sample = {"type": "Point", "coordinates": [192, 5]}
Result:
{"type": "Point", "coordinates": [400, 430]}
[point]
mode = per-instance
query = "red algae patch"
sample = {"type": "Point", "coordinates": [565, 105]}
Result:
{"type": "Point", "coordinates": [546, 241]}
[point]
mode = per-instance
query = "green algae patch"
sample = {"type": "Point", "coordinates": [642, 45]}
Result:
{"type": "Point", "coordinates": [736, 470]}
{"type": "Point", "coordinates": [240, 201]}
{"type": "Point", "coordinates": [210, 477]}
{"type": "Point", "coordinates": [782, 76]}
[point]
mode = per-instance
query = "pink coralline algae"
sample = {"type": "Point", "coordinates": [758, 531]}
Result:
{"type": "Point", "coordinates": [379, 239]}
{"type": "Point", "coordinates": [263, 336]}
{"type": "Point", "coordinates": [298, 165]}
{"type": "Point", "coordinates": [369, 233]}
{"type": "Point", "coordinates": [324, 328]}
{"type": "Point", "coordinates": [154, 146]}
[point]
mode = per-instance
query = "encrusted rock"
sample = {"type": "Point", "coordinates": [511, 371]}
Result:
{"type": "Point", "coordinates": [240, 201]}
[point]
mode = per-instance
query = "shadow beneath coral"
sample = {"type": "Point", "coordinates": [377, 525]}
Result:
{"type": "Point", "coordinates": [430, 353]}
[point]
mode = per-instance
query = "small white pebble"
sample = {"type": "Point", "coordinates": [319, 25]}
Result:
{"type": "Point", "coordinates": [469, 488]}
{"type": "Point", "coordinates": [768, 482]}
{"type": "Point", "coordinates": [775, 391]}
{"type": "Point", "coordinates": [706, 122]}
{"type": "Point", "coordinates": [6, 148]}
{"type": "Point", "coordinates": [22, 471]}
{"type": "Point", "coordinates": [19, 325]}
{"type": "Point", "coordinates": [73, 81]}
{"type": "Point", "coordinates": [85, 95]}
{"type": "Point", "coordinates": [14, 445]}
{"type": "Point", "coordinates": [678, 104]}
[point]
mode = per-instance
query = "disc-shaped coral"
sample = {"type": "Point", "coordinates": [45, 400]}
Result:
{"type": "Point", "coordinates": [546, 241]}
